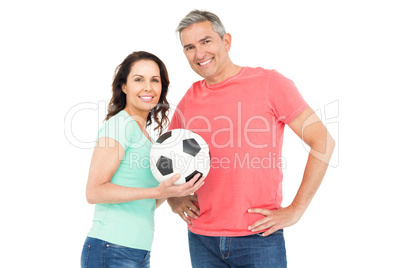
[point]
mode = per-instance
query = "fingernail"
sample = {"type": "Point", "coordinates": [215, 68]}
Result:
{"type": "Point", "coordinates": [249, 227]}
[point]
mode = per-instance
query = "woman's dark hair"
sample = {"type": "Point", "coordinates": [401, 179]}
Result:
{"type": "Point", "coordinates": [118, 100]}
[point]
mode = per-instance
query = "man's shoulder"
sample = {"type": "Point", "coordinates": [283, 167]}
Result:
{"type": "Point", "coordinates": [266, 73]}
{"type": "Point", "coordinates": [197, 84]}
{"type": "Point", "coordinates": [259, 71]}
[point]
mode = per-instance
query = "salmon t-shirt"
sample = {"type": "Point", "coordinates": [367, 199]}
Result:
{"type": "Point", "coordinates": [242, 119]}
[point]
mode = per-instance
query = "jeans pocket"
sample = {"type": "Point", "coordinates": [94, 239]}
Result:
{"type": "Point", "coordinates": [121, 255]}
{"type": "Point", "coordinates": [111, 245]}
{"type": "Point", "coordinates": [85, 255]}
{"type": "Point", "coordinates": [279, 232]}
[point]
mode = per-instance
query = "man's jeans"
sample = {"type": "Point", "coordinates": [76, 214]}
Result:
{"type": "Point", "coordinates": [243, 251]}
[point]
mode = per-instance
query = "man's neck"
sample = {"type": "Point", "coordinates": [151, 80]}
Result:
{"type": "Point", "coordinates": [231, 71]}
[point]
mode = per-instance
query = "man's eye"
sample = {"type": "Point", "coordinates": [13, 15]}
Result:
{"type": "Point", "coordinates": [189, 48]}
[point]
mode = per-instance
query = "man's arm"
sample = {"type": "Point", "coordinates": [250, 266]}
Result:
{"type": "Point", "coordinates": [312, 131]}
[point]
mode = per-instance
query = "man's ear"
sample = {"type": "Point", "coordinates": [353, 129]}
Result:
{"type": "Point", "coordinates": [227, 39]}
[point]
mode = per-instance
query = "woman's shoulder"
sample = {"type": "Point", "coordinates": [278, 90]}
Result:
{"type": "Point", "coordinates": [122, 121]}
{"type": "Point", "coordinates": [121, 127]}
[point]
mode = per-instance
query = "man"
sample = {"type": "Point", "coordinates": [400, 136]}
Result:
{"type": "Point", "coordinates": [236, 218]}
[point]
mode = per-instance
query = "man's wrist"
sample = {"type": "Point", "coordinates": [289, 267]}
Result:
{"type": "Point", "coordinates": [298, 209]}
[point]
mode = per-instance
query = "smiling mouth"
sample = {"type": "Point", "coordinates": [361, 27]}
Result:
{"type": "Point", "coordinates": [146, 98]}
{"type": "Point", "coordinates": [205, 62]}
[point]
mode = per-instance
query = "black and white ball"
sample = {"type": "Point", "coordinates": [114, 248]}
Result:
{"type": "Point", "coordinates": [179, 151]}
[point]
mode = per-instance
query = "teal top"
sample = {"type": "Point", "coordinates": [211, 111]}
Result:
{"type": "Point", "coordinates": [128, 224]}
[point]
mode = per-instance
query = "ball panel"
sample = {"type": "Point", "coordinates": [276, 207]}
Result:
{"type": "Point", "coordinates": [164, 137]}
{"type": "Point", "coordinates": [191, 147]}
{"type": "Point", "coordinates": [195, 172]}
{"type": "Point", "coordinates": [165, 165]}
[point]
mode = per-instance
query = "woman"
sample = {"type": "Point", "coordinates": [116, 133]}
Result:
{"type": "Point", "coordinates": [120, 181]}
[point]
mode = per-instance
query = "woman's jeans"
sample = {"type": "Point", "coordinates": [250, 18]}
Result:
{"type": "Point", "coordinates": [244, 251]}
{"type": "Point", "coordinates": [101, 254]}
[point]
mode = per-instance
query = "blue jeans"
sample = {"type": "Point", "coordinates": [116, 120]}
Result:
{"type": "Point", "coordinates": [101, 254]}
{"type": "Point", "coordinates": [243, 251]}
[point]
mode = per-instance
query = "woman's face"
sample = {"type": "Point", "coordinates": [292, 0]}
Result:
{"type": "Point", "coordinates": [143, 87]}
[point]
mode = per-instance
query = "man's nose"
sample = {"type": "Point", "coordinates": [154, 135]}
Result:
{"type": "Point", "coordinates": [200, 53]}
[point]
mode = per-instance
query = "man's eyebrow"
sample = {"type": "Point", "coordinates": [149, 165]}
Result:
{"type": "Point", "coordinates": [200, 41]}
{"type": "Point", "coordinates": [188, 45]}
{"type": "Point", "coordinates": [204, 39]}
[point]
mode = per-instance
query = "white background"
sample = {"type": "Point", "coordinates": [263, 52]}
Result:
{"type": "Point", "coordinates": [57, 61]}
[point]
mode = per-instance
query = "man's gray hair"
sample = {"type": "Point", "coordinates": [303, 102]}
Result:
{"type": "Point", "coordinates": [196, 16]}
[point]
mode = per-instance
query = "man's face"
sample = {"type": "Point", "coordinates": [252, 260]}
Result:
{"type": "Point", "coordinates": [206, 52]}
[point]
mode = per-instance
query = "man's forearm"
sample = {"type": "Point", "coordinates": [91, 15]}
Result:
{"type": "Point", "coordinates": [314, 172]}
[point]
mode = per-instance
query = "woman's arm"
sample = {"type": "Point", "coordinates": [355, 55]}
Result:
{"type": "Point", "coordinates": [105, 161]}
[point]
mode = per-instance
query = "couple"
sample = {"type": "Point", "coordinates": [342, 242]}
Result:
{"type": "Point", "coordinates": [236, 218]}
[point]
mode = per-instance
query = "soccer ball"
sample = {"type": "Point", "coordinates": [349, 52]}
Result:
{"type": "Point", "coordinates": [179, 151]}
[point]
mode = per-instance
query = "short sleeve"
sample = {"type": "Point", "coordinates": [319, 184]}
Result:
{"type": "Point", "coordinates": [284, 99]}
{"type": "Point", "coordinates": [118, 128]}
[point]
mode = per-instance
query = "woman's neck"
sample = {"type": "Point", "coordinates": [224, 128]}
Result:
{"type": "Point", "coordinates": [140, 119]}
